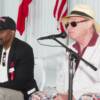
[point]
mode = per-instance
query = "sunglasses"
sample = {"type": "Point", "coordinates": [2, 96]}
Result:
{"type": "Point", "coordinates": [73, 23]}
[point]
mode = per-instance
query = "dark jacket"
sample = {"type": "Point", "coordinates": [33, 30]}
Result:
{"type": "Point", "coordinates": [22, 60]}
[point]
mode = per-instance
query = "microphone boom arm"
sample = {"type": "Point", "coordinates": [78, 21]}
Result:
{"type": "Point", "coordinates": [75, 54]}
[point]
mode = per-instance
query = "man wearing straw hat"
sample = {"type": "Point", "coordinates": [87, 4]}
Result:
{"type": "Point", "coordinates": [83, 29]}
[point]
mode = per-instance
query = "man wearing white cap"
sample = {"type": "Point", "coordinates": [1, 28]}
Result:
{"type": "Point", "coordinates": [83, 29]}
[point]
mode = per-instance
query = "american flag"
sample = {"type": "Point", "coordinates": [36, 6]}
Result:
{"type": "Point", "coordinates": [60, 10]}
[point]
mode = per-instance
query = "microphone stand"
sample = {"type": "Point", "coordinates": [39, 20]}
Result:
{"type": "Point", "coordinates": [73, 56]}
{"type": "Point", "coordinates": [72, 65]}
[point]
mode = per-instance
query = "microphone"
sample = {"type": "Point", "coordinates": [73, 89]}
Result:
{"type": "Point", "coordinates": [61, 35]}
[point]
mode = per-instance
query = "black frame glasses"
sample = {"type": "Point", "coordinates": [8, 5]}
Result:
{"type": "Point", "coordinates": [74, 23]}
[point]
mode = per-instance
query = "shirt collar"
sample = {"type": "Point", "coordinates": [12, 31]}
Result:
{"type": "Point", "coordinates": [91, 43]}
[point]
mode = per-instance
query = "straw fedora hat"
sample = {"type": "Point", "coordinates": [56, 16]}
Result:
{"type": "Point", "coordinates": [84, 11]}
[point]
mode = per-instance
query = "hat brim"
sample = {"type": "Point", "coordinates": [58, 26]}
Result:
{"type": "Point", "coordinates": [72, 15]}
{"type": "Point", "coordinates": [66, 18]}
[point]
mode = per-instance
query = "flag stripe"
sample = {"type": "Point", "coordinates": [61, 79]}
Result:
{"type": "Point", "coordinates": [22, 14]}
{"type": "Point", "coordinates": [65, 13]}
{"type": "Point", "coordinates": [65, 10]}
{"type": "Point", "coordinates": [60, 9]}
{"type": "Point", "coordinates": [55, 8]}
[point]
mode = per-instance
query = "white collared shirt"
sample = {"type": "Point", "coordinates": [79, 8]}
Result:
{"type": "Point", "coordinates": [3, 68]}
